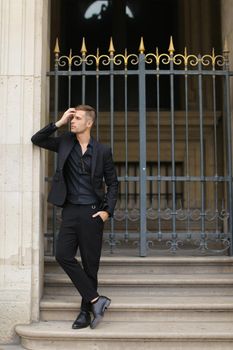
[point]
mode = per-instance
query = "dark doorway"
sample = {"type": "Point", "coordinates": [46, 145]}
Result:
{"type": "Point", "coordinates": [126, 22]}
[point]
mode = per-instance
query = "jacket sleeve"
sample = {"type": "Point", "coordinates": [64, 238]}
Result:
{"type": "Point", "coordinates": [111, 182]}
{"type": "Point", "coordinates": [43, 139]}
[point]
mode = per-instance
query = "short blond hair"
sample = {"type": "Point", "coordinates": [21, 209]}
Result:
{"type": "Point", "coordinates": [90, 111]}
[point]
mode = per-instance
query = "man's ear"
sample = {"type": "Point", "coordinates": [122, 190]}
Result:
{"type": "Point", "coordinates": [90, 123]}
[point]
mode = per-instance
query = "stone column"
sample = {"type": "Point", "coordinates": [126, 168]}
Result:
{"type": "Point", "coordinates": [227, 26]}
{"type": "Point", "coordinates": [227, 37]}
{"type": "Point", "coordinates": [23, 64]}
{"type": "Point", "coordinates": [227, 34]}
{"type": "Point", "coordinates": [199, 30]}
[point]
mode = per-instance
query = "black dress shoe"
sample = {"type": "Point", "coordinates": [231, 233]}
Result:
{"type": "Point", "coordinates": [98, 309]}
{"type": "Point", "coordinates": [82, 321]}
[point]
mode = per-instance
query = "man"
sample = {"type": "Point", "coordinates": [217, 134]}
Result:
{"type": "Point", "coordinates": [77, 186]}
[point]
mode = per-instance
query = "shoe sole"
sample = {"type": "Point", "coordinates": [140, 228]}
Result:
{"type": "Point", "coordinates": [81, 327]}
{"type": "Point", "coordinates": [97, 320]}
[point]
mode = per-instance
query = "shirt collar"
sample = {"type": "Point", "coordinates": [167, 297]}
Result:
{"type": "Point", "coordinates": [90, 144]}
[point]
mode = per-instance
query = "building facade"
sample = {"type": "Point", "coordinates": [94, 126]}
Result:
{"type": "Point", "coordinates": [28, 33]}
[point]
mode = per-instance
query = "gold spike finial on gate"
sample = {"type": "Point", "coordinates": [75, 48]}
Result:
{"type": "Point", "coordinates": [83, 48]}
{"type": "Point", "coordinates": [171, 46]}
{"type": "Point", "coordinates": [56, 48]}
{"type": "Point", "coordinates": [70, 57]}
{"type": "Point", "coordinates": [111, 49]}
{"type": "Point", "coordinates": [141, 46]}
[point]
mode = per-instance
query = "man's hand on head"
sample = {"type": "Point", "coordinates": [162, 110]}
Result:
{"type": "Point", "coordinates": [68, 115]}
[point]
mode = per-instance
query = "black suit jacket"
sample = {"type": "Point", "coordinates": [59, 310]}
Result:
{"type": "Point", "coordinates": [102, 167]}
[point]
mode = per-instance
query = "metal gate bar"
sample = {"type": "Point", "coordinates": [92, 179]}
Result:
{"type": "Point", "coordinates": [229, 147]}
{"type": "Point", "coordinates": [215, 154]}
{"type": "Point", "coordinates": [112, 238]}
{"type": "Point", "coordinates": [142, 153]}
{"type": "Point", "coordinates": [126, 234]}
{"type": "Point", "coordinates": [158, 157]}
{"type": "Point", "coordinates": [203, 235]}
{"type": "Point", "coordinates": [174, 233]}
{"type": "Point", "coordinates": [187, 153]}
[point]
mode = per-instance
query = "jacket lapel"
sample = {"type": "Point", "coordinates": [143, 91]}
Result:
{"type": "Point", "coordinates": [69, 143]}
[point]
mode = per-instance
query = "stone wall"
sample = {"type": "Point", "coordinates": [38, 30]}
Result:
{"type": "Point", "coordinates": [23, 64]}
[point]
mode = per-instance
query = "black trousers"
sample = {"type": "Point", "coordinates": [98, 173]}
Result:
{"type": "Point", "coordinates": [79, 230]}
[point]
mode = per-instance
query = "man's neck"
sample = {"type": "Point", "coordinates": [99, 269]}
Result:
{"type": "Point", "coordinates": [83, 139]}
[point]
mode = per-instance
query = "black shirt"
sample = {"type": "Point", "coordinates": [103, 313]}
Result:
{"type": "Point", "coordinates": [77, 173]}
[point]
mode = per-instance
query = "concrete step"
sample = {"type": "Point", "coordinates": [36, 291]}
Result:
{"type": "Point", "coordinates": [147, 285]}
{"type": "Point", "coordinates": [156, 265]}
{"type": "Point", "coordinates": [144, 309]}
{"type": "Point", "coordinates": [56, 335]}
{"type": "Point", "coordinates": [11, 347]}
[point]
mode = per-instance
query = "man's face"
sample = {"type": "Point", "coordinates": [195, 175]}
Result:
{"type": "Point", "coordinates": [80, 123]}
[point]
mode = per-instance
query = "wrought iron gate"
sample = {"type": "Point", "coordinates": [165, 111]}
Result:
{"type": "Point", "coordinates": [167, 118]}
